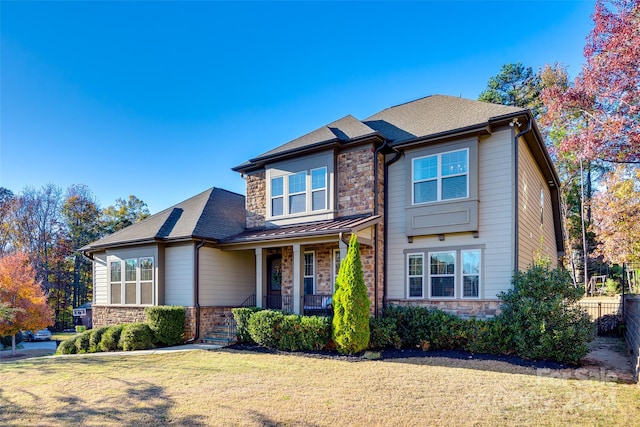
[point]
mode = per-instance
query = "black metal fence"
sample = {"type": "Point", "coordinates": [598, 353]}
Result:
{"type": "Point", "coordinates": [608, 316]}
{"type": "Point", "coordinates": [312, 305]}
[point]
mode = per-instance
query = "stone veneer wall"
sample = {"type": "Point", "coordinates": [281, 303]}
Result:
{"type": "Point", "coordinates": [355, 181]}
{"type": "Point", "coordinates": [105, 315]}
{"type": "Point", "coordinates": [482, 309]}
{"type": "Point", "coordinates": [632, 322]}
{"type": "Point", "coordinates": [209, 318]}
{"type": "Point", "coordinates": [255, 202]}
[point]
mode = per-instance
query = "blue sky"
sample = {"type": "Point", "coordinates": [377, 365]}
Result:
{"type": "Point", "coordinates": [161, 99]}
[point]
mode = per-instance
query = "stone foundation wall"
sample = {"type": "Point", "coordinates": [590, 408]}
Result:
{"type": "Point", "coordinates": [105, 315]}
{"type": "Point", "coordinates": [209, 318]}
{"type": "Point", "coordinates": [482, 309]}
{"type": "Point", "coordinates": [632, 322]}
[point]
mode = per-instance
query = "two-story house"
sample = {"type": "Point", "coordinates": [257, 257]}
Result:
{"type": "Point", "coordinates": [448, 197]}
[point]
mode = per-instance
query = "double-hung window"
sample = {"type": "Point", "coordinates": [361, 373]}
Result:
{"type": "Point", "coordinates": [299, 193]}
{"type": "Point", "coordinates": [470, 273]}
{"type": "Point", "coordinates": [136, 285]}
{"type": "Point", "coordinates": [443, 176]}
{"type": "Point", "coordinates": [442, 274]}
{"type": "Point", "coordinates": [415, 268]}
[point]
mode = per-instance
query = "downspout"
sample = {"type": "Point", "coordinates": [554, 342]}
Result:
{"type": "Point", "coordinates": [384, 220]}
{"type": "Point", "coordinates": [516, 234]}
{"type": "Point", "coordinates": [196, 290]}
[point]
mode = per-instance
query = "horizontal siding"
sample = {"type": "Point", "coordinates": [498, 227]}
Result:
{"type": "Point", "coordinates": [178, 276]}
{"type": "Point", "coordinates": [100, 278]}
{"type": "Point", "coordinates": [535, 237]}
{"type": "Point", "coordinates": [227, 278]}
{"type": "Point", "coordinates": [495, 190]}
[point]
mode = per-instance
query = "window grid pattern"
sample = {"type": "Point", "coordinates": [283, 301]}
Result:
{"type": "Point", "coordinates": [442, 176]}
{"type": "Point", "coordinates": [416, 275]}
{"type": "Point", "coordinates": [442, 274]}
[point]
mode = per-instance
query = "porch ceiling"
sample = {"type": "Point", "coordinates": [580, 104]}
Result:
{"type": "Point", "coordinates": [333, 227]}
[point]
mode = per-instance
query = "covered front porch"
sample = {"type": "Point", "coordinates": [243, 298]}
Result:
{"type": "Point", "coordinates": [297, 266]}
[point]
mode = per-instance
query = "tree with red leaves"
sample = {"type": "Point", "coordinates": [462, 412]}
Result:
{"type": "Point", "coordinates": [601, 111]}
{"type": "Point", "coordinates": [22, 298]}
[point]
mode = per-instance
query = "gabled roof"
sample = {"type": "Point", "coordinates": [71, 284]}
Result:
{"type": "Point", "coordinates": [430, 116]}
{"type": "Point", "coordinates": [435, 115]}
{"type": "Point", "coordinates": [309, 229]}
{"type": "Point", "coordinates": [211, 215]}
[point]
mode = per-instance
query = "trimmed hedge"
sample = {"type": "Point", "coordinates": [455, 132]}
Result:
{"type": "Point", "coordinates": [94, 338]}
{"type": "Point", "coordinates": [290, 332]}
{"type": "Point", "coordinates": [82, 342]}
{"type": "Point", "coordinates": [137, 336]}
{"type": "Point", "coordinates": [111, 338]}
{"type": "Point", "coordinates": [167, 323]}
{"type": "Point", "coordinates": [67, 346]}
{"type": "Point", "coordinates": [242, 316]}
{"type": "Point", "coordinates": [384, 333]}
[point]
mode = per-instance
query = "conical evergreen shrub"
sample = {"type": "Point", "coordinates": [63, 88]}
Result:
{"type": "Point", "coordinates": [351, 304]}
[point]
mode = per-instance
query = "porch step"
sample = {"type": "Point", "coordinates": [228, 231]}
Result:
{"type": "Point", "coordinates": [221, 335]}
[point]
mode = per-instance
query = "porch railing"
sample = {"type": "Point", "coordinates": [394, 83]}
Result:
{"type": "Point", "coordinates": [312, 305]}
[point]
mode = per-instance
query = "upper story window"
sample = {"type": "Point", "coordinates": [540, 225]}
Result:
{"type": "Point", "coordinates": [443, 176]}
{"type": "Point", "coordinates": [304, 191]}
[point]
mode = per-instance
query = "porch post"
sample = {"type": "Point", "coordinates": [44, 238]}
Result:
{"type": "Point", "coordinates": [343, 249]}
{"type": "Point", "coordinates": [296, 278]}
{"type": "Point", "coordinates": [259, 277]}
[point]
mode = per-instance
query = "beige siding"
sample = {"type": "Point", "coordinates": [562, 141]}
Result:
{"type": "Point", "coordinates": [100, 278]}
{"type": "Point", "coordinates": [178, 276]}
{"type": "Point", "coordinates": [226, 278]}
{"type": "Point", "coordinates": [495, 190]}
{"type": "Point", "coordinates": [536, 237]}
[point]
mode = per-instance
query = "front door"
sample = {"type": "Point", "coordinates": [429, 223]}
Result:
{"type": "Point", "coordinates": [274, 282]}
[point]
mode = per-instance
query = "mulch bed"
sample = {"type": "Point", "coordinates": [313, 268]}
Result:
{"type": "Point", "coordinates": [399, 354]}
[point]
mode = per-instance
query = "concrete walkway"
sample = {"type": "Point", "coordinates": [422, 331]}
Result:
{"type": "Point", "coordinates": [610, 355]}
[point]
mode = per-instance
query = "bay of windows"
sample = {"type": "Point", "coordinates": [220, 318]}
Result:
{"type": "Point", "coordinates": [304, 191]}
{"type": "Point", "coordinates": [448, 274]}
{"type": "Point", "coordinates": [136, 285]}
{"type": "Point", "coordinates": [443, 176]}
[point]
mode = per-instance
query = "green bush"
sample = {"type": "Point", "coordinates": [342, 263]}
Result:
{"type": "Point", "coordinates": [67, 346]}
{"type": "Point", "coordinates": [167, 323]}
{"type": "Point", "coordinates": [111, 338]}
{"type": "Point", "coordinates": [543, 318]}
{"type": "Point", "coordinates": [241, 316]}
{"type": "Point", "coordinates": [95, 337]}
{"type": "Point", "coordinates": [351, 304]}
{"type": "Point", "coordinates": [383, 333]}
{"type": "Point", "coordinates": [137, 336]}
{"type": "Point", "coordinates": [304, 332]}
{"type": "Point", "coordinates": [82, 342]}
{"type": "Point", "coordinates": [265, 327]}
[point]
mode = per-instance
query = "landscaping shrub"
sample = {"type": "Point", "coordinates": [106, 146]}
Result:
{"type": "Point", "coordinates": [304, 333]}
{"type": "Point", "coordinates": [82, 342]}
{"type": "Point", "coordinates": [265, 327]}
{"type": "Point", "coordinates": [136, 336]}
{"type": "Point", "coordinates": [111, 338]}
{"type": "Point", "coordinates": [383, 333]}
{"type": "Point", "coordinates": [241, 316]}
{"type": "Point", "coordinates": [167, 323]}
{"type": "Point", "coordinates": [543, 318]}
{"type": "Point", "coordinates": [95, 337]}
{"type": "Point", "coordinates": [67, 346]}
{"type": "Point", "coordinates": [351, 304]}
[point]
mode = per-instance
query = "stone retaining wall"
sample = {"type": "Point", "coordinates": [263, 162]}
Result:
{"type": "Point", "coordinates": [209, 318]}
{"type": "Point", "coordinates": [632, 322]}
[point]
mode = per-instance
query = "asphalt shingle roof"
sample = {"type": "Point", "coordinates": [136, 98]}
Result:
{"type": "Point", "coordinates": [213, 215]}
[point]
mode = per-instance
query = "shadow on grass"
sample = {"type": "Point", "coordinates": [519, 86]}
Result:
{"type": "Point", "coordinates": [133, 404]}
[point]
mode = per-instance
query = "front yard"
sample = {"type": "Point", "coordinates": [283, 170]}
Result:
{"type": "Point", "coordinates": [234, 388]}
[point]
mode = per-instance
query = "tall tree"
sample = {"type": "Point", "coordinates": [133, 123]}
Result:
{"type": "Point", "coordinates": [123, 214]}
{"type": "Point", "coordinates": [601, 110]}
{"type": "Point", "coordinates": [24, 301]}
{"type": "Point", "coordinates": [514, 85]}
{"type": "Point", "coordinates": [7, 208]}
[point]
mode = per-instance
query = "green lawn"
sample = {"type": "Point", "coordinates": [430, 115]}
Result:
{"type": "Point", "coordinates": [201, 388]}
{"type": "Point", "coordinates": [61, 336]}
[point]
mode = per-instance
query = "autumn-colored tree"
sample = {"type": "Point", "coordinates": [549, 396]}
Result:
{"type": "Point", "coordinates": [24, 301]}
{"type": "Point", "coordinates": [601, 110]}
{"type": "Point", "coordinates": [616, 211]}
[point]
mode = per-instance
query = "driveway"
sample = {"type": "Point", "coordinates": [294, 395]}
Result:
{"type": "Point", "coordinates": [44, 345]}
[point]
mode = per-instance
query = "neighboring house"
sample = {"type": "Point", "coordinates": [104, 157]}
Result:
{"type": "Point", "coordinates": [448, 197]}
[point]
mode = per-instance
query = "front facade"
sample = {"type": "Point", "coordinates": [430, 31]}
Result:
{"type": "Point", "coordinates": [447, 196]}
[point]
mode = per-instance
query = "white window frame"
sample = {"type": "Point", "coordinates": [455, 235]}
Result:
{"type": "Point", "coordinates": [336, 257]}
{"type": "Point", "coordinates": [541, 207]}
{"type": "Point", "coordinates": [463, 274]}
{"type": "Point", "coordinates": [439, 177]}
{"type": "Point", "coordinates": [410, 276]}
{"type": "Point", "coordinates": [311, 276]}
{"type": "Point", "coordinates": [272, 197]}
{"type": "Point", "coordinates": [138, 281]}
{"type": "Point", "coordinates": [454, 275]}
{"type": "Point", "coordinates": [315, 190]}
